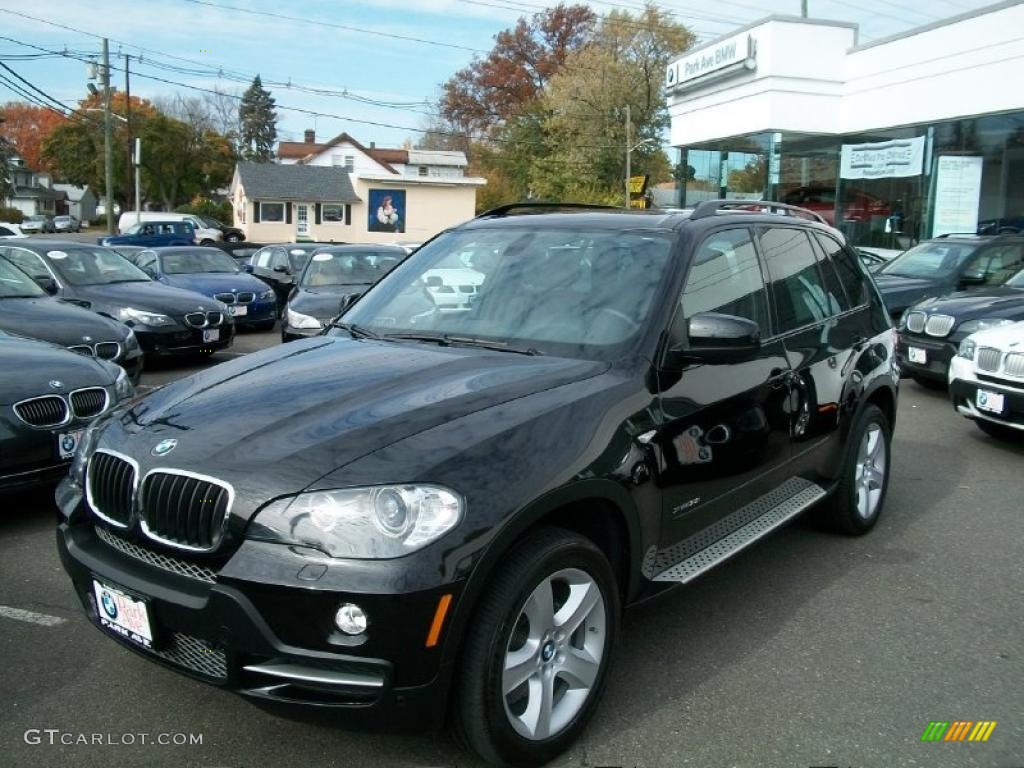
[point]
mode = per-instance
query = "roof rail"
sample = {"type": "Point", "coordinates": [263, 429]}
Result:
{"type": "Point", "coordinates": [968, 234]}
{"type": "Point", "coordinates": [530, 206]}
{"type": "Point", "coordinates": [711, 207]}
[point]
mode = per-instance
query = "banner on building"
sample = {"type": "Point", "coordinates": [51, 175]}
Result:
{"type": "Point", "coordinates": [883, 159]}
{"type": "Point", "coordinates": [957, 194]}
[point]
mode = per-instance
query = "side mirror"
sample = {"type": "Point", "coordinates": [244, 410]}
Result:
{"type": "Point", "coordinates": [281, 268]}
{"type": "Point", "coordinates": [47, 283]}
{"type": "Point", "coordinates": [247, 268]}
{"type": "Point", "coordinates": [434, 281]}
{"type": "Point", "coordinates": [347, 301]}
{"type": "Point", "coordinates": [972, 278]}
{"type": "Point", "coordinates": [718, 338]}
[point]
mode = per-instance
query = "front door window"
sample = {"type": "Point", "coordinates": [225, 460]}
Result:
{"type": "Point", "coordinates": [301, 220]}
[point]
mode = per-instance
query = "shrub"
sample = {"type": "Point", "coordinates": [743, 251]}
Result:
{"type": "Point", "coordinates": [202, 206]}
{"type": "Point", "coordinates": [11, 215]}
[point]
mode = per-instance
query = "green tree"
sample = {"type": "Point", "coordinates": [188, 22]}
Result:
{"type": "Point", "coordinates": [751, 177]}
{"type": "Point", "coordinates": [257, 123]}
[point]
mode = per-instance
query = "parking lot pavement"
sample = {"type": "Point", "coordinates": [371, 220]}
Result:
{"type": "Point", "coordinates": [85, 236]}
{"type": "Point", "coordinates": [809, 649]}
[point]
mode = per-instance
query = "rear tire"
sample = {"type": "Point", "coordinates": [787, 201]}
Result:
{"type": "Point", "coordinates": [998, 431]}
{"type": "Point", "coordinates": [537, 651]}
{"type": "Point", "coordinates": [857, 501]}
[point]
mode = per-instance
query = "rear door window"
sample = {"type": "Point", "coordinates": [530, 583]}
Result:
{"type": "Point", "coordinates": [848, 267]}
{"type": "Point", "coordinates": [797, 289]}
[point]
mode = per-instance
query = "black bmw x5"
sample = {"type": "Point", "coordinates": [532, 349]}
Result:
{"type": "Point", "coordinates": [446, 511]}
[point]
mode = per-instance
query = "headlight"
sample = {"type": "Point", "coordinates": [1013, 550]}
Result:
{"type": "Point", "coordinates": [966, 351]}
{"type": "Point", "coordinates": [299, 320]}
{"type": "Point", "coordinates": [131, 343]}
{"type": "Point", "coordinates": [972, 326]}
{"type": "Point", "coordinates": [123, 388]}
{"type": "Point", "coordinates": [363, 523]}
{"type": "Point", "coordinates": [267, 295]}
{"type": "Point", "coordinates": [142, 316]}
{"type": "Point", "coordinates": [86, 445]}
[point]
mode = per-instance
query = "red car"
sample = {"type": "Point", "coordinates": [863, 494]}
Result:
{"type": "Point", "coordinates": [857, 205]}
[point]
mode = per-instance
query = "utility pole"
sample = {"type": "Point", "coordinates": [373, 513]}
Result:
{"type": "Point", "coordinates": [629, 152]}
{"type": "Point", "coordinates": [128, 126]}
{"type": "Point", "coordinates": [803, 8]}
{"type": "Point", "coordinates": [108, 140]}
{"type": "Point", "coordinates": [138, 159]}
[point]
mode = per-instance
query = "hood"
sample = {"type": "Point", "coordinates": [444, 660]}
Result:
{"type": "Point", "coordinates": [900, 292]}
{"type": "Point", "coordinates": [324, 302]}
{"type": "Point", "coordinates": [40, 363]}
{"type": "Point", "coordinates": [1009, 338]}
{"type": "Point", "coordinates": [317, 404]}
{"type": "Point", "coordinates": [969, 305]}
{"type": "Point", "coordinates": [151, 296]}
{"type": "Point", "coordinates": [57, 322]}
{"type": "Point", "coordinates": [209, 284]}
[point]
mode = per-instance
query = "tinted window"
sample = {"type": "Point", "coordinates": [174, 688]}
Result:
{"type": "Point", "coordinates": [197, 262]}
{"type": "Point", "coordinates": [847, 267]}
{"type": "Point", "coordinates": [995, 265]}
{"type": "Point", "coordinates": [799, 296]}
{"type": "Point", "coordinates": [94, 266]}
{"type": "Point", "coordinates": [726, 277]}
{"type": "Point", "coordinates": [929, 260]}
{"type": "Point", "coordinates": [346, 268]}
{"type": "Point", "coordinates": [4, 232]}
{"type": "Point", "coordinates": [14, 282]}
{"type": "Point", "coordinates": [262, 257]}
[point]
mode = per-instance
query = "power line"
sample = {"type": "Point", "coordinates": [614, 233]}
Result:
{"type": "Point", "coordinates": [41, 92]}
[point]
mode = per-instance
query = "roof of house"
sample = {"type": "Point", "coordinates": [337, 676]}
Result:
{"type": "Point", "coordinates": [42, 193]}
{"type": "Point", "coordinates": [304, 151]}
{"type": "Point", "coordinates": [303, 183]}
{"type": "Point", "coordinates": [75, 194]}
{"type": "Point", "coordinates": [296, 150]}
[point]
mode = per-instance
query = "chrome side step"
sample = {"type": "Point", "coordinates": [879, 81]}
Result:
{"type": "Point", "coordinates": [755, 520]}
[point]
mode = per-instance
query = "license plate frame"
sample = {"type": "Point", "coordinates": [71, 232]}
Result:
{"type": "Point", "coordinates": [211, 334]}
{"type": "Point", "coordinates": [67, 443]}
{"type": "Point", "coordinates": [990, 402]}
{"type": "Point", "coordinates": [238, 310]}
{"type": "Point", "coordinates": [917, 355]}
{"type": "Point", "coordinates": [123, 615]}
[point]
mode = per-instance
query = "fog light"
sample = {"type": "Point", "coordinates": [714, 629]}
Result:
{"type": "Point", "coordinates": [350, 619]}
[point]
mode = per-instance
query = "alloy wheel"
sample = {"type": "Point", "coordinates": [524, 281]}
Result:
{"type": "Point", "coordinates": [869, 479]}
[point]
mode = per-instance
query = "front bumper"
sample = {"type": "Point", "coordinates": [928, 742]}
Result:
{"type": "Point", "coordinates": [257, 312]}
{"type": "Point", "coordinates": [29, 456]}
{"type": "Point", "coordinates": [938, 353]}
{"type": "Point", "coordinates": [963, 391]}
{"type": "Point", "coordinates": [181, 339]}
{"type": "Point", "coordinates": [291, 333]}
{"type": "Point", "coordinates": [261, 624]}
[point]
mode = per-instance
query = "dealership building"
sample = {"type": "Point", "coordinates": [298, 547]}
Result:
{"type": "Point", "coordinates": [893, 141]}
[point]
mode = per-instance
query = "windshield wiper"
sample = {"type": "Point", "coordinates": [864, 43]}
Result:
{"type": "Point", "coordinates": [357, 331]}
{"type": "Point", "coordinates": [127, 280]}
{"type": "Point", "coordinates": [446, 339]}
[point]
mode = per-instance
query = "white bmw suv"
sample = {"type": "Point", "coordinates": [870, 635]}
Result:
{"type": "Point", "coordinates": [986, 380]}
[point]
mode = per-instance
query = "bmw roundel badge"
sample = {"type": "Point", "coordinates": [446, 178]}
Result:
{"type": "Point", "coordinates": [164, 447]}
{"type": "Point", "coordinates": [109, 606]}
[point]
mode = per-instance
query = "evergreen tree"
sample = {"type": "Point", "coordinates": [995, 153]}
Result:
{"type": "Point", "coordinates": [258, 123]}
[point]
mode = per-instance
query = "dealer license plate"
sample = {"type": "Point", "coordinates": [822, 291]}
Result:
{"type": "Point", "coordinates": [123, 615]}
{"type": "Point", "coordinates": [990, 401]}
{"type": "Point", "coordinates": [238, 310]}
{"type": "Point", "coordinates": [917, 355]}
{"type": "Point", "coordinates": [67, 442]}
{"type": "Point", "coordinates": [211, 334]}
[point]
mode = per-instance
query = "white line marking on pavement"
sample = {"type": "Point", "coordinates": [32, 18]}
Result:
{"type": "Point", "coordinates": [30, 616]}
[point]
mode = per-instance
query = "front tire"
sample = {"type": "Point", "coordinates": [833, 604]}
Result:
{"type": "Point", "coordinates": [538, 650]}
{"type": "Point", "coordinates": [857, 501]}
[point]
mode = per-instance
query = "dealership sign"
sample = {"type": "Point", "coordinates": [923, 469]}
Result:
{"type": "Point", "coordinates": [732, 55]}
{"type": "Point", "coordinates": [882, 159]}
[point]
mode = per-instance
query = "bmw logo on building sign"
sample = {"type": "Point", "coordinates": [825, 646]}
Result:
{"type": "Point", "coordinates": [164, 447]}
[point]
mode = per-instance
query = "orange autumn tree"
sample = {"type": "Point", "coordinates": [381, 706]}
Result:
{"type": "Point", "coordinates": [27, 126]}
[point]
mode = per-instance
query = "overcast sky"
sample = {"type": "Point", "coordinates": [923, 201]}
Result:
{"type": "Point", "coordinates": [395, 51]}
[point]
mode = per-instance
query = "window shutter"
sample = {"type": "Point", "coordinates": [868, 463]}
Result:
{"type": "Point", "coordinates": [316, 215]}
{"type": "Point", "coordinates": [287, 213]}
{"type": "Point", "coordinates": [256, 212]}
{"type": "Point", "coordinates": [348, 214]}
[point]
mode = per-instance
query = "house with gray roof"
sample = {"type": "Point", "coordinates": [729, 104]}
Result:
{"type": "Point", "coordinates": [81, 201]}
{"type": "Point", "coordinates": [31, 192]}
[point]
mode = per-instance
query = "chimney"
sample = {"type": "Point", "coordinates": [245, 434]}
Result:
{"type": "Point", "coordinates": [310, 136]}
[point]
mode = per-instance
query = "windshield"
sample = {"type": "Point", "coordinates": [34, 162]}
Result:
{"type": "Point", "coordinates": [36, 218]}
{"type": "Point", "coordinates": [573, 292]}
{"type": "Point", "coordinates": [210, 222]}
{"type": "Point", "coordinates": [347, 268]}
{"type": "Point", "coordinates": [95, 266]}
{"type": "Point", "coordinates": [197, 261]}
{"type": "Point", "coordinates": [16, 284]}
{"type": "Point", "coordinates": [929, 260]}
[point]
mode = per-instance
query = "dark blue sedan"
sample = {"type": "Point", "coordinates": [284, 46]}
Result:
{"type": "Point", "coordinates": [213, 273]}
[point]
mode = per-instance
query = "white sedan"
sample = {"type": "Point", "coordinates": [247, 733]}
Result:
{"type": "Point", "coordinates": [10, 231]}
{"type": "Point", "coordinates": [986, 380]}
